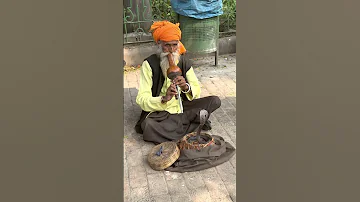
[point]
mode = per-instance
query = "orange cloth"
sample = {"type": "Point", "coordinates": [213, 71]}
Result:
{"type": "Point", "coordinates": [167, 31]}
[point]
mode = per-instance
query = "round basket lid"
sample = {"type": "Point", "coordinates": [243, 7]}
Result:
{"type": "Point", "coordinates": [163, 155]}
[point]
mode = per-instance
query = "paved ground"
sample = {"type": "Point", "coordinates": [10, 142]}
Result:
{"type": "Point", "coordinates": [212, 185]}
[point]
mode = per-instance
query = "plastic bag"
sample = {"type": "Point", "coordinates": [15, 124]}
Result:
{"type": "Point", "coordinates": [199, 9]}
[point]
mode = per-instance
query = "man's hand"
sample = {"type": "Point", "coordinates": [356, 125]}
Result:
{"type": "Point", "coordinates": [171, 91]}
{"type": "Point", "coordinates": [180, 81]}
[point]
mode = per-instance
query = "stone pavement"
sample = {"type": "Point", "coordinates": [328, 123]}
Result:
{"type": "Point", "coordinates": [217, 184]}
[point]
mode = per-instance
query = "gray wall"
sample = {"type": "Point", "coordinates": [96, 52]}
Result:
{"type": "Point", "coordinates": [60, 101]}
{"type": "Point", "coordinates": [299, 102]}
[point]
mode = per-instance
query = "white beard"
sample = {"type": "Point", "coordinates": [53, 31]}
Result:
{"type": "Point", "coordinates": [164, 61]}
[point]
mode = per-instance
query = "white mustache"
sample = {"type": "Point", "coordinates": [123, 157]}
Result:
{"type": "Point", "coordinates": [164, 61]}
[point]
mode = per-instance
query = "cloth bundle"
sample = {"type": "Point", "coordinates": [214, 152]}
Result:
{"type": "Point", "coordinates": [207, 157]}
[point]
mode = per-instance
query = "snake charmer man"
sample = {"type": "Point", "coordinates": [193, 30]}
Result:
{"type": "Point", "coordinates": [163, 117]}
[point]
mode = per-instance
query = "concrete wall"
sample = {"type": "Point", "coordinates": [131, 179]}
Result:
{"type": "Point", "coordinates": [135, 55]}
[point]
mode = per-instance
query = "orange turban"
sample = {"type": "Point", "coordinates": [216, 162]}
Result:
{"type": "Point", "coordinates": [167, 31]}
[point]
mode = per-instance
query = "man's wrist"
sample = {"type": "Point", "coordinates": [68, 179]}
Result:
{"type": "Point", "coordinates": [187, 88]}
{"type": "Point", "coordinates": [164, 99]}
{"type": "Point", "coordinates": [184, 88]}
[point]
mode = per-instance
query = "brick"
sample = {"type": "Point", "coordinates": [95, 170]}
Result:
{"type": "Point", "coordinates": [140, 195]}
{"type": "Point", "coordinates": [231, 113]}
{"type": "Point", "coordinates": [131, 144]}
{"type": "Point", "coordinates": [223, 89]}
{"type": "Point", "coordinates": [131, 77]}
{"type": "Point", "coordinates": [148, 169]}
{"type": "Point", "coordinates": [226, 121]}
{"type": "Point", "coordinates": [157, 184]}
{"type": "Point", "coordinates": [218, 112]}
{"type": "Point", "coordinates": [126, 170]}
{"type": "Point", "coordinates": [214, 121]}
{"type": "Point", "coordinates": [177, 187]}
{"type": "Point", "coordinates": [221, 96]}
{"type": "Point", "coordinates": [231, 82]}
{"type": "Point", "coordinates": [146, 148]}
{"type": "Point", "coordinates": [162, 198]}
{"type": "Point", "coordinates": [232, 137]}
{"type": "Point", "coordinates": [133, 99]}
{"type": "Point", "coordinates": [234, 121]}
{"type": "Point", "coordinates": [127, 110]}
{"type": "Point", "coordinates": [127, 132]}
{"type": "Point", "coordinates": [172, 175]}
{"type": "Point", "coordinates": [130, 123]}
{"type": "Point", "coordinates": [193, 180]}
{"type": "Point", "coordinates": [232, 100]}
{"type": "Point", "coordinates": [139, 139]}
{"type": "Point", "coordinates": [133, 84]}
{"type": "Point", "coordinates": [231, 131]}
{"type": "Point", "coordinates": [226, 137]}
{"type": "Point", "coordinates": [231, 94]}
{"type": "Point", "coordinates": [211, 88]}
{"type": "Point", "coordinates": [231, 188]}
{"type": "Point", "coordinates": [136, 158]}
{"type": "Point", "coordinates": [232, 89]}
{"type": "Point", "coordinates": [133, 92]}
{"type": "Point", "coordinates": [126, 189]}
{"type": "Point", "coordinates": [126, 92]}
{"type": "Point", "coordinates": [229, 91]}
{"type": "Point", "coordinates": [209, 174]}
{"type": "Point", "coordinates": [137, 72]}
{"type": "Point", "coordinates": [137, 172]}
{"type": "Point", "coordinates": [233, 161]}
{"type": "Point", "coordinates": [204, 92]}
{"type": "Point", "coordinates": [225, 199]}
{"type": "Point", "coordinates": [214, 184]}
{"type": "Point", "coordinates": [225, 104]}
{"type": "Point", "coordinates": [220, 131]}
{"type": "Point", "coordinates": [216, 188]}
{"type": "Point", "coordinates": [200, 194]}
{"type": "Point", "coordinates": [206, 81]}
{"type": "Point", "coordinates": [138, 182]}
{"type": "Point", "coordinates": [137, 111]}
{"type": "Point", "coordinates": [181, 198]}
{"type": "Point", "coordinates": [227, 172]}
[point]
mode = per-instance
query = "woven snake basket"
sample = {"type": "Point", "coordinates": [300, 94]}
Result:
{"type": "Point", "coordinates": [163, 155]}
{"type": "Point", "coordinates": [189, 141]}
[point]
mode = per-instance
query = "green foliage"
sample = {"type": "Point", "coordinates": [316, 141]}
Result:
{"type": "Point", "coordinates": [162, 10]}
{"type": "Point", "coordinates": [228, 19]}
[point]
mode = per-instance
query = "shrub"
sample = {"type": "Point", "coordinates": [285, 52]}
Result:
{"type": "Point", "coordinates": [161, 10]}
{"type": "Point", "coordinates": [228, 19]}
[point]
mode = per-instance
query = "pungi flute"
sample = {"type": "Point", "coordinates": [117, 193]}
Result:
{"type": "Point", "coordinates": [172, 73]}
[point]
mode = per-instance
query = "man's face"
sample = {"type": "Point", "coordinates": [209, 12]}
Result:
{"type": "Point", "coordinates": [165, 48]}
{"type": "Point", "coordinates": [170, 46]}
